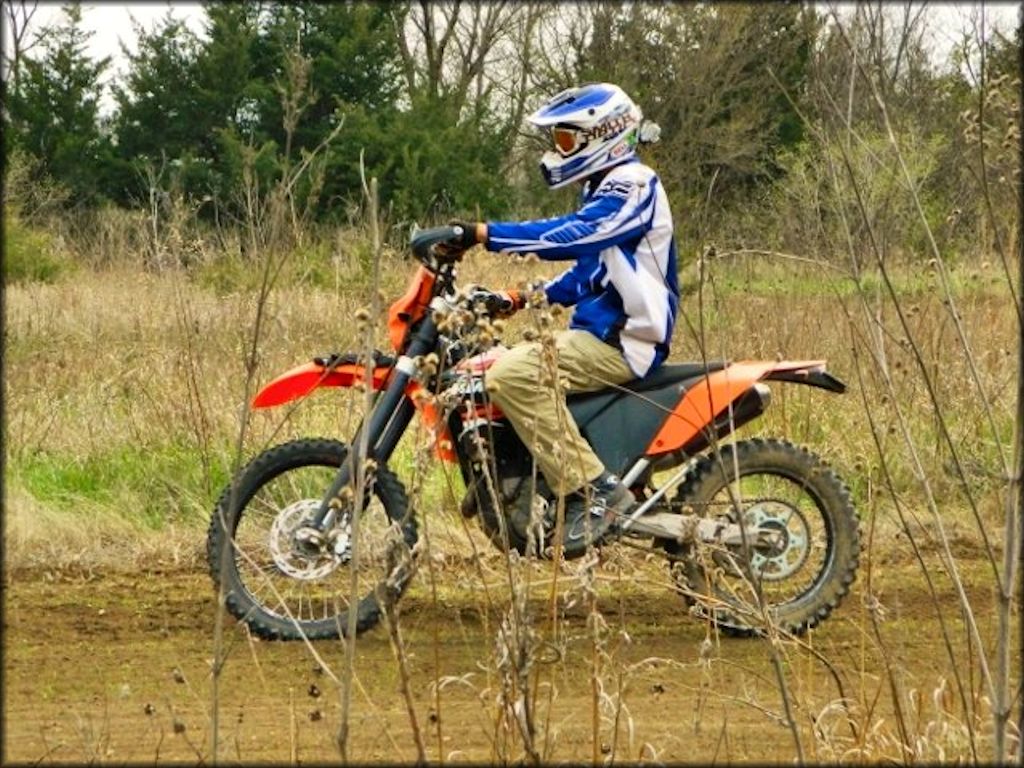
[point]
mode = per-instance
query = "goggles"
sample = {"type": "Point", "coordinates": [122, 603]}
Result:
{"type": "Point", "coordinates": [567, 141]}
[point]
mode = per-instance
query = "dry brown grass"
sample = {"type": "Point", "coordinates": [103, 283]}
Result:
{"type": "Point", "coordinates": [136, 380]}
{"type": "Point", "coordinates": [147, 370]}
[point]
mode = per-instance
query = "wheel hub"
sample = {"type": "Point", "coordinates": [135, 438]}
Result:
{"type": "Point", "coordinates": [296, 551]}
{"type": "Point", "coordinates": [783, 541]}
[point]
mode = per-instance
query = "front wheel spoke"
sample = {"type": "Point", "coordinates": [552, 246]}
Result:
{"type": "Point", "coordinates": [251, 547]}
{"type": "Point", "coordinates": [261, 584]}
{"type": "Point", "coordinates": [281, 579]}
{"type": "Point", "coordinates": [265, 566]}
{"type": "Point", "coordinates": [261, 508]}
{"type": "Point", "coordinates": [303, 600]}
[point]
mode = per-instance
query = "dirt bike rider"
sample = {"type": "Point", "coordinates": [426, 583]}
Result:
{"type": "Point", "coordinates": [623, 285]}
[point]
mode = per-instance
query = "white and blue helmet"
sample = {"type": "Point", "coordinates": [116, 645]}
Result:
{"type": "Point", "coordinates": [592, 127]}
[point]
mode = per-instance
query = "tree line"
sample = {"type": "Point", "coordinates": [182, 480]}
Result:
{"type": "Point", "coordinates": [431, 97]}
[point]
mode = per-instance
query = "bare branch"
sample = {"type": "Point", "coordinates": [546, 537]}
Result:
{"type": "Point", "coordinates": [408, 58]}
{"type": "Point", "coordinates": [19, 21]}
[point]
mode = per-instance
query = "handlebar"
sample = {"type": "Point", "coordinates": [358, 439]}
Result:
{"type": "Point", "coordinates": [440, 246]}
{"type": "Point", "coordinates": [424, 244]}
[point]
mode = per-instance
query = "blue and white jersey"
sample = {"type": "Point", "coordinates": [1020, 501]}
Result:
{"type": "Point", "coordinates": [623, 284]}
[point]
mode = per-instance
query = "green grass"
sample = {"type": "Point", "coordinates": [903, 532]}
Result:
{"type": "Point", "coordinates": [152, 485]}
{"type": "Point", "coordinates": [171, 482]}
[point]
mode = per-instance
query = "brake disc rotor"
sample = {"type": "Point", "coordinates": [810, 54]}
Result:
{"type": "Point", "coordinates": [291, 560]}
{"type": "Point", "coordinates": [790, 538]}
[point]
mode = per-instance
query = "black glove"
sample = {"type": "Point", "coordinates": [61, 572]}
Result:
{"type": "Point", "coordinates": [495, 303]}
{"type": "Point", "coordinates": [436, 246]}
{"type": "Point", "coordinates": [468, 237]}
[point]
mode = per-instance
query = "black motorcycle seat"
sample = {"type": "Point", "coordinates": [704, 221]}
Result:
{"type": "Point", "coordinates": [673, 374]}
{"type": "Point", "coordinates": [584, 406]}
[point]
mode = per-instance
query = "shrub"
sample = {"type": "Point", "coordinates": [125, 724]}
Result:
{"type": "Point", "coordinates": [29, 255]}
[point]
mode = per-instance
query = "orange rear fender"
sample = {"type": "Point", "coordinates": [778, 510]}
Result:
{"type": "Point", "coordinates": [303, 379]}
{"type": "Point", "coordinates": [711, 396]}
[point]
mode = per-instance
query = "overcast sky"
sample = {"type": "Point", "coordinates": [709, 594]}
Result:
{"type": "Point", "coordinates": [111, 23]}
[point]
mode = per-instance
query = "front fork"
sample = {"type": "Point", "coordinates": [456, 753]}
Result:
{"type": "Point", "coordinates": [384, 426]}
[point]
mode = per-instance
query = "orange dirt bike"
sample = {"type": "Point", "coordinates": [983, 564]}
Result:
{"type": "Point", "coordinates": [754, 531]}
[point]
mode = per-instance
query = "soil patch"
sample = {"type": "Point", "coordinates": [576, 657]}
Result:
{"type": "Point", "coordinates": [117, 669]}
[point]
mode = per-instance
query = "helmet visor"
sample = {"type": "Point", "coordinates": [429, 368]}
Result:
{"type": "Point", "coordinates": [567, 141]}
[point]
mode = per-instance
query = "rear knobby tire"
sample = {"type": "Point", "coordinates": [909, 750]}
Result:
{"type": "Point", "coordinates": [270, 601]}
{"type": "Point", "coordinates": [766, 468]}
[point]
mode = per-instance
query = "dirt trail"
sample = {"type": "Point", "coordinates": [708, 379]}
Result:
{"type": "Point", "coordinates": [117, 669]}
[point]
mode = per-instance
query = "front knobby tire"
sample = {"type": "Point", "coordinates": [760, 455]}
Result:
{"type": "Point", "coordinates": [806, 575]}
{"type": "Point", "coordinates": [281, 593]}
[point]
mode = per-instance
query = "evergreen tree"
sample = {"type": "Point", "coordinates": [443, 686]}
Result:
{"type": "Point", "coordinates": [54, 114]}
{"type": "Point", "coordinates": [438, 162]}
{"type": "Point", "coordinates": [156, 121]}
{"type": "Point", "coordinates": [230, 98]}
{"type": "Point", "coordinates": [230, 90]}
{"type": "Point", "coordinates": [353, 75]}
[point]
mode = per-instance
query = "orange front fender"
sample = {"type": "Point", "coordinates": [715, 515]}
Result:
{"type": "Point", "coordinates": [706, 399]}
{"type": "Point", "coordinates": [303, 379]}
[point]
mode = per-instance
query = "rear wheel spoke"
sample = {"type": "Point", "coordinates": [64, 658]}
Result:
{"type": "Point", "coordinates": [807, 548]}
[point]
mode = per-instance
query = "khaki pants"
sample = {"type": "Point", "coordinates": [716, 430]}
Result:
{"type": "Point", "coordinates": [520, 383]}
